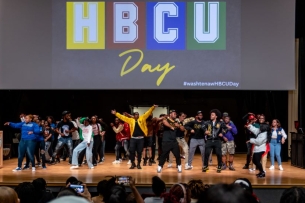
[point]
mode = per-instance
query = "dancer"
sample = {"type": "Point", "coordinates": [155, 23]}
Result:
{"type": "Point", "coordinates": [138, 129]}
{"type": "Point", "coordinates": [259, 140]}
{"type": "Point", "coordinates": [121, 139]}
{"type": "Point", "coordinates": [64, 129]}
{"type": "Point", "coordinates": [214, 131]}
{"type": "Point", "coordinates": [97, 139]}
{"type": "Point", "coordinates": [181, 141]}
{"type": "Point", "coordinates": [148, 140]}
{"type": "Point", "coordinates": [228, 144]}
{"type": "Point", "coordinates": [197, 137]}
{"type": "Point", "coordinates": [87, 144]}
{"type": "Point", "coordinates": [278, 137]}
{"type": "Point", "coordinates": [27, 142]}
{"type": "Point", "coordinates": [169, 141]}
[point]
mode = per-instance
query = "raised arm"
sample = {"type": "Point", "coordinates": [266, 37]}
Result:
{"type": "Point", "coordinates": [148, 113]}
{"type": "Point", "coordinates": [15, 125]}
{"type": "Point", "coordinates": [253, 129]}
{"type": "Point", "coordinates": [165, 123]}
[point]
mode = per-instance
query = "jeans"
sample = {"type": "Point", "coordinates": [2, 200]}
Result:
{"type": "Point", "coordinates": [80, 147]}
{"type": "Point", "coordinates": [136, 145]}
{"type": "Point", "coordinates": [26, 147]}
{"type": "Point", "coordinates": [48, 150]}
{"type": "Point", "coordinates": [102, 150]}
{"type": "Point", "coordinates": [168, 147]}
{"type": "Point", "coordinates": [275, 150]}
{"type": "Point", "coordinates": [216, 145]}
{"type": "Point", "coordinates": [118, 147]}
{"type": "Point", "coordinates": [249, 153]}
{"type": "Point", "coordinates": [61, 142]}
{"type": "Point", "coordinates": [183, 144]}
{"type": "Point", "coordinates": [194, 143]}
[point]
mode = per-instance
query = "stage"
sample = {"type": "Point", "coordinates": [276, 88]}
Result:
{"type": "Point", "coordinates": [56, 175]}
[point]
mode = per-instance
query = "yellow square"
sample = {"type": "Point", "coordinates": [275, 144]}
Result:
{"type": "Point", "coordinates": [85, 25]}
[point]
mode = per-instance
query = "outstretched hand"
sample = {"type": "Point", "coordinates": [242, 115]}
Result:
{"type": "Point", "coordinates": [7, 123]}
{"type": "Point", "coordinates": [155, 105]}
{"type": "Point", "coordinates": [113, 111]}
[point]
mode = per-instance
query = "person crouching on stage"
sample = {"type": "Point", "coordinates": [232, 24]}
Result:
{"type": "Point", "coordinates": [27, 143]}
{"type": "Point", "coordinates": [121, 139]}
{"type": "Point", "coordinates": [169, 141]}
{"type": "Point", "coordinates": [138, 129]}
{"type": "Point", "coordinates": [87, 144]}
{"type": "Point", "coordinates": [228, 144]}
{"type": "Point", "coordinates": [214, 131]}
{"type": "Point", "coordinates": [259, 140]}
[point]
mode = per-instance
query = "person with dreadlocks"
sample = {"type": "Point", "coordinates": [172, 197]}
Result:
{"type": "Point", "coordinates": [214, 130]}
{"type": "Point", "coordinates": [197, 188]}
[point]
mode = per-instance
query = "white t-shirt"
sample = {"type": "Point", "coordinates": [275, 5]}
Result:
{"type": "Point", "coordinates": [153, 200]}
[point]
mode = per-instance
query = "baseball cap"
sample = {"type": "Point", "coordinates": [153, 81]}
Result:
{"type": "Point", "coordinates": [65, 112]}
{"type": "Point", "coordinates": [225, 114]}
{"type": "Point", "coordinates": [171, 111]}
{"type": "Point", "coordinates": [198, 112]}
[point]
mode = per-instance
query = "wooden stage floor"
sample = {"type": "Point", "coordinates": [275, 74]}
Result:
{"type": "Point", "coordinates": [56, 175]}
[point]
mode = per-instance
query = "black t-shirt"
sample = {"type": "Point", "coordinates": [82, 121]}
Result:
{"type": "Point", "coordinates": [62, 126]}
{"type": "Point", "coordinates": [179, 133]}
{"type": "Point", "coordinates": [137, 131]}
{"type": "Point", "coordinates": [169, 135]}
{"type": "Point", "coordinates": [197, 127]}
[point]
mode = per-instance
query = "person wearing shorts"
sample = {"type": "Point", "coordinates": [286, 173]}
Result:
{"type": "Point", "coordinates": [228, 144]}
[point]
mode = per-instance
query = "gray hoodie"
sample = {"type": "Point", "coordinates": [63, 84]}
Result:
{"type": "Point", "coordinates": [260, 140]}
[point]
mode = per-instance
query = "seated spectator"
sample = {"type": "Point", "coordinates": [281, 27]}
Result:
{"type": "Point", "coordinates": [71, 180]}
{"type": "Point", "coordinates": [158, 187]}
{"type": "Point", "coordinates": [293, 195]}
{"type": "Point", "coordinates": [8, 195]}
{"type": "Point", "coordinates": [117, 193]}
{"type": "Point", "coordinates": [179, 193]}
{"type": "Point", "coordinates": [225, 193]}
{"type": "Point", "coordinates": [26, 192]}
{"type": "Point", "coordinates": [69, 192]}
{"type": "Point", "coordinates": [41, 190]}
{"type": "Point", "coordinates": [197, 188]}
{"type": "Point", "coordinates": [101, 187]}
{"type": "Point", "coordinates": [247, 186]}
{"type": "Point", "coordinates": [70, 199]}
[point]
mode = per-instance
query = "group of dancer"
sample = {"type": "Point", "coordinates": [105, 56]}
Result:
{"type": "Point", "coordinates": [136, 135]}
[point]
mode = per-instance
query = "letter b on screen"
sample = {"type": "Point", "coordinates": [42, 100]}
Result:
{"type": "Point", "coordinates": [85, 25]}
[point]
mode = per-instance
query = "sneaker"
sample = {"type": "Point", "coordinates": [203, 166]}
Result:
{"type": "Point", "coordinates": [179, 169]}
{"type": "Point", "coordinates": [44, 167]}
{"type": "Point", "coordinates": [224, 167]}
{"type": "Point", "coordinates": [26, 168]}
{"type": "Point", "coordinates": [252, 169]}
{"type": "Point", "coordinates": [91, 167]}
{"type": "Point", "coordinates": [116, 162]}
{"type": "Point", "coordinates": [133, 165]}
{"type": "Point", "coordinates": [187, 167]}
{"type": "Point", "coordinates": [271, 167]}
{"type": "Point", "coordinates": [85, 162]}
{"type": "Point", "coordinates": [74, 167]}
{"type": "Point", "coordinates": [231, 168]}
{"type": "Point", "coordinates": [129, 162]}
{"type": "Point", "coordinates": [153, 161]}
{"type": "Point", "coordinates": [205, 169]}
{"type": "Point", "coordinates": [218, 169]}
{"type": "Point", "coordinates": [120, 160]}
{"type": "Point", "coordinates": [17, 169]}
{"type": "Point", "coordinates": [139, 166]}
{"type": "Point", "coordinates": [100, 161]}
{"type": "Point", "coordinates": [159, 169]}
{"type": "Point", "coordinates": [33, 169]}
{"type": "Point", "coordinates": [281, 168]}
{"type": "Point", "coordinates": [95, 164]}
{"type": "Point", "coordinates": [169, 166]}
{"type": "Point", "coordinates": [261, 175]}
{"type": "Point", "coordinates": [246, 166]}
